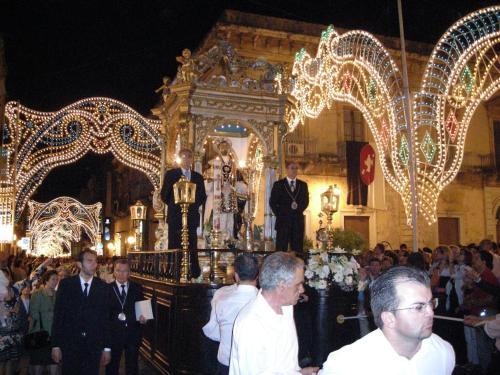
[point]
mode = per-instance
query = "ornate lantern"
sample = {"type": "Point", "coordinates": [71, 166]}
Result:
{"type": "Point", "coordinates": [329, 205]}
{"type": "Point", "coordinates": [138, 211]}
{"type": "Point", "coordinates": [138, 215]}
{"type": "Point", "coordinates": [184, 195]}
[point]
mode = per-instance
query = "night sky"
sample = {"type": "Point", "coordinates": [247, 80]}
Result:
{"type": "Point", "coordinates": [59, 51]}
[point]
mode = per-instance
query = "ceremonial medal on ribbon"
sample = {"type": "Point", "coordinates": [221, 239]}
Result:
{"type": "Point", "coordinates": [294, 204]}
{"type": "Point", "coordinates": [121, 316]}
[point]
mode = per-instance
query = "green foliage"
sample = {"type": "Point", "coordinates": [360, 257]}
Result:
{"type": "Point", "coordinates": [347, 239]}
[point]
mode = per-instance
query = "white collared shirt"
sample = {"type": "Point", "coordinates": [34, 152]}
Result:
{"type": "Point", "coordinates": [186, 173]}
{"type": "Point", "coordinates": [119, 285]}
{"type": "Point", "coordinates": [264, 342]}
{"type": "Point", "coordinates": [82, 283]}
{"type": "Point", "coordinates": [226, 304]}
{"type": "Point", "coordinates": [290, 181]}
{"type": "Point", "coordinates": [374, 355]}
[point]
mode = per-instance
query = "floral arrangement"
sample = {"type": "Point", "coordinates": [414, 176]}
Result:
{"type": "Point", "coordinates": [327, 268]}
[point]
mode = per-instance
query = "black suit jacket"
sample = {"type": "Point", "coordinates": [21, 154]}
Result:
{"type": "Point", "coordinates": [74, 314]}
{"type": "Point", "coordinates": [130, 330]}
{"type": "Point", "coordinates": [281, 201]}
{"type": "Point", "coordinates": [174, 217]}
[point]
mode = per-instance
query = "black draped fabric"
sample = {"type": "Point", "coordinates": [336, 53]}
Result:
{"type": "Point", "coordinates": [357, 191]}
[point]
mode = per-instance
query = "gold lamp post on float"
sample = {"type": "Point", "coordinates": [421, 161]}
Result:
{"type": "Point", "coordinates": [138, 216]}
{"type": "Point", "coordinates": [329, 205]}
{"type": "Point", "coordinates": [184, 195]}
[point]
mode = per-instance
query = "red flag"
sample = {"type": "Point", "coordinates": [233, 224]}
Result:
{"type": "Point", "coordinates": [367, 164]}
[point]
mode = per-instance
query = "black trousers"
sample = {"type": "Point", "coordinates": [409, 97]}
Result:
{"type": "Point", "coordinates": [174, 242]}
{"type": "Point", "coordinates": [81, 359]}
{"type": "Point", "coordinates": [222, 369]}
{"type": "Point", "coordinates": [290, 232]}
{"type": "Point", "coordinates": [131, 359]}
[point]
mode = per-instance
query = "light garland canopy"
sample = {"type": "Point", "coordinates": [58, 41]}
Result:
{"type": "Point", "coordinates": [58, 223]}
{"type": "Point", "coordinates": [463, 71]}
{"type": "Point", "coordinates": [37, 142]}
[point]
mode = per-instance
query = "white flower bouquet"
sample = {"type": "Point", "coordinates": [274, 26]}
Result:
{"type": "Point", "coordinates": [337, 267]}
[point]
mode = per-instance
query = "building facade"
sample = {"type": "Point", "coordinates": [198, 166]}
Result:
{"type": "Point", "coordinates": [468, 209]}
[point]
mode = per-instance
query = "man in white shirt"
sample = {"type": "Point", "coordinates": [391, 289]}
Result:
{"type": "Point", "coordinates": [403, 310]}
{"type": "Point", "coordinates": [227, 303]}
{"type": "Point", "coordinates": [264, 336]}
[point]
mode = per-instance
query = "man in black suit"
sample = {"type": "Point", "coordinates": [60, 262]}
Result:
{"type": "Point", "coordinates": [125, 330]}
{"type": "Point", "coordinates": [289, 199]}
{"type": "Point", "coordinates": [174, 216]}
{"type": "Point", "coordinates": [80, 329]}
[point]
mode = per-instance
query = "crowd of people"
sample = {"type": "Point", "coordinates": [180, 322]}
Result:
{"type": "Point", "coordinates": [465, 281]}
{"type": "Point", "coordinates": [58, 316]}
{"type": "Point", "coordinates": [87, 309]}
{"type": "Point", "coordinates": [405, 296]}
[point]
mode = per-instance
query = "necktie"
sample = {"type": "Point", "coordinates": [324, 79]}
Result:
{"type": "Point", "coordinates": [292, 185]}
{"type": "Point", "coordinates": [86, 289]}
{"type": "Point", "coordinates": [123, 295]}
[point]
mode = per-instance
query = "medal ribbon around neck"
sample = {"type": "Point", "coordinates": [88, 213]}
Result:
{"type": "Point", "coordinates": [293, 196]}
{"type": "Point", "coordinates": [119, 299]}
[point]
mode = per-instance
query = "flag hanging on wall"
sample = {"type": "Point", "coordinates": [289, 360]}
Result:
{"type": "Point", "coordinates": [367, 164]}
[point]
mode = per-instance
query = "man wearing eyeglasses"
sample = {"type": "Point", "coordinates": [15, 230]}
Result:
{"type": "Point", "coordinates": [403, 310]}
{"type": "Point", "coordinates": [289, 199]}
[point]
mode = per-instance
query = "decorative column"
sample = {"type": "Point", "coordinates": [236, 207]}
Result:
{"type": "Point", "coordinates": [269, 219]}
{"type": "Point", "coordinates": [198, 167]}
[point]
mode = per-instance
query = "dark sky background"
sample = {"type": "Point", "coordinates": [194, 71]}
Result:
{"type": "Point", "coordinates": [59, 51]}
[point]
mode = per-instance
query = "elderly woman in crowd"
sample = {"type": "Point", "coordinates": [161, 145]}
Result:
{"type": "Point", "coordinates": [42, 313]}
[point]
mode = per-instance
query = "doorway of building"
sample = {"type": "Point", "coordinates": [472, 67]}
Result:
{"type": "Point", "coordinates": [360, 225]}
{"type": "Point", "coordinates": [449, 230]}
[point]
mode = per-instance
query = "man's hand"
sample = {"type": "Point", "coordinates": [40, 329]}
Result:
{"type": "Point", "coordinates": [56, 355]}
{"type": "Point", "coordinates": [472, 274]}
{"type": "Point", "coordinates": [472, 320]}
{"type": "Point", "coordinates": [105, 358]}
{"type": "Point", "coordinates": [309, 370]}
{"type": "Point", "coordinates": [142, 319]}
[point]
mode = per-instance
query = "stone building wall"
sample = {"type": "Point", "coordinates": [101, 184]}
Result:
{"type": "Point", "coordinates": [471, 197]}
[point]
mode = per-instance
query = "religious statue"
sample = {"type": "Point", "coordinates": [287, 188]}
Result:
{"type": "Point", "coordinates": [165, 88]}
{"type": "Point", "coordinates": [187, 71]}
{"type": "Point", "coordinates": [228, 203]}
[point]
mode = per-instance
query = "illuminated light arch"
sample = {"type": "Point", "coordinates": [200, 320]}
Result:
{"type": "Point", "coordinates": [463, 71]}
{"type": "Point", "coordinates": [54, 225]}
{"type": "Point", "coordinates": [36, 142]}
{"type": "Point", "coordinates": [356, 68]}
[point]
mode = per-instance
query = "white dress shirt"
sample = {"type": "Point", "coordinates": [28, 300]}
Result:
{"type": "Point", "coordinates": [290, 182]}
{"type": "Point", "coordinates": [492, 329]}
{"type": "Point", "coordinates": [226, 304]}
{"type": "Point", "coordinates": [82, 283]}
{"type": "Point", "coordinates": [264, 342]}
{"type": "Point", "coordinates": [374, 355]}
{"type": "Point", "coordinates": [119, 287]}
{"type": "Point", "coordinates": [186, 173]}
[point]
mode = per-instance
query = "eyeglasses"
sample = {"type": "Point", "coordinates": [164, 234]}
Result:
{"type": "Point", "coordinates": [420, 306]}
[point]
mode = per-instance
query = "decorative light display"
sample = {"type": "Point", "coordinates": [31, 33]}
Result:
{"type": "Point", "coordinates": [463, 71]}
{"type": "Point", "coordinates": [58, 223]}
{"type": "Point", "coordinates": [36, 142]}
{"type": "Point", "coordinates": [6, 213]}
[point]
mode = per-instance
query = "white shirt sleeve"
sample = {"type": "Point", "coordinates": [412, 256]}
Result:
{"type": "Point", "coordinates": [212, 329]}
